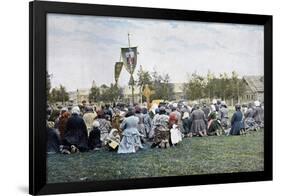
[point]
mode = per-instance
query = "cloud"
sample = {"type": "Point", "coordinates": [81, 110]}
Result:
{"type": "Point", "coordinates": [85, 48]}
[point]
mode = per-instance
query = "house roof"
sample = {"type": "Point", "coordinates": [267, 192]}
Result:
{"type": "Point", "coordinates": [256, 83]}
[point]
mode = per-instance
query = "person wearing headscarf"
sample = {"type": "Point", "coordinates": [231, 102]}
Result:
{"type": "Point", "coordinates": [223, 115]}
{"type": "Point", "coordinates": [249, 121]}
{"type": "Point", "coordinates": [141, 127]}
{"type": "Point", "coordinates": [113, 140]}
{"type": "Point", "coordinates": [175, 117]}
{"type": "Point", "coordinates": [108, 112]}
{"type": "Point", "coordinates": [244, 108]}
{"type": "Point", "coordinates": [152, 132]}
{"type": "Point", "coordinates": [53, 141]}
{"type": "Point", "coordinates": [175, 111]}
{"type": "Point", "coordinates": [53, 138]}
{"type": "Point", "coordinates": [175, 134]}
{"type": "Point", "coordinates": [198, 125]}
{"type": "Point", "coordinates": [104, 127]}
{"type": "Point", "coordinates": [94, 137]}
{"type": "Point", "coordinates": [218, 106]}
{"type": "Point", "coordinates": [259, 114]}
{"type": "Point", "coordinates": [236, 121]}
{"type": "Point", "coordinates": [161, 131]}
{"type": "Point", "coordinates": [214, 105]}
{"type": "Point", "coordinates": [186, 123]}
{"type": "Point", "coordinates": [206, 110]}
{"type": "Point", "coordinates": [63, 121]}
{"type": "Point", "coordinates": [147, 122]}
{"type": "Point", "coordinates": [117, 119]}
{"type": "Point", "coordinates": [89, 117]}
{"type": "Point", "coordinates": [214, 126]}
{"type": "Point", "coordinates": [76, 135]}
{"type": "Point", "coordinates": [131, 140]}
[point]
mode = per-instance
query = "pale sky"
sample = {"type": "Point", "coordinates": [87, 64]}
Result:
{"type": "Point", "coordinates": [81, 49]}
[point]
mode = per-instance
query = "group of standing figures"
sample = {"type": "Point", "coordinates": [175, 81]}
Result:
{"type": "Point", "coordinates": [126, 129]}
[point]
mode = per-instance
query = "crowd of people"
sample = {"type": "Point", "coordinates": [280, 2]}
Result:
{"type": "Point", "coordinates": [128, 128]}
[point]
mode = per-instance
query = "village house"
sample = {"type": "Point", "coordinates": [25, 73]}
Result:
{"type": "Point", "coordinates": [254, 89]}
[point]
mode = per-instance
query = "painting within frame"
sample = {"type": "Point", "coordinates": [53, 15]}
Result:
{"type": "Point", "coordinates": [138, 63]}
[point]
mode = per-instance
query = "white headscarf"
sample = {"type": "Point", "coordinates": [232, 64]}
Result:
{"type": "Point", "coordinates": [96, 123]}
{"type": "Point", "coordinates": [257, 103]}
{"type": "Point", "coordinates": [75, 110]}
{"type": "Point", "coordinates": [185, 115]}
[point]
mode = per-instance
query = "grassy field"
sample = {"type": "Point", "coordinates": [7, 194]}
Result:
{"type": "Point", "coordinates": [193, 156]}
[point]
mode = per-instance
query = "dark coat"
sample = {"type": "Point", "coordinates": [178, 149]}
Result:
{"type": "Point", "coordinates": [186, 123]}
{"type": "Point", "coordinates": [53, 143]}
{"type": "Point", "coordinates": [76, 133]}
{"type": "Point", "coordinates": [198, 121]}
{"type": "Point", "coordinates": [206, 111]}
{"type": "Point", "coordinates": [236, 123]}
{"type": "Point", "coordinates": [94, 138]}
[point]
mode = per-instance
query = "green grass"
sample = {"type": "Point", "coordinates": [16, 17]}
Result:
{"type": "Point", "coordinates": [193, 156]}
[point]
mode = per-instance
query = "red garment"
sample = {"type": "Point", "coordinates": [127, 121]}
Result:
{"type": "Point", "coordinates": [173, 119]}
{"type": "Point", "coordinates": [62, 123]}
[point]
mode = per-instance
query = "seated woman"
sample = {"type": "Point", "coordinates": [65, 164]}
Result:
{"type": "Point", "coordinates": [131, 140]}
{"type": "Point", "coordinates": [76, 135]}
{"type": "Point", "coordinates": [113, 140]}
{"type": "Point", "coordinates": [94, 137]}
{"type": "Point", "coordinates": [236, 121]}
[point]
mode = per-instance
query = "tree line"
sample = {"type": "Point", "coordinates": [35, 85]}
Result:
{"type": "Point", "coordinates": [224, 86]}
{"type": "Point", "coordinates": [196, 87]}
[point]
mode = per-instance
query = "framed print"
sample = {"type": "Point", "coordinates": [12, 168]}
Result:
{"type": "Point", "coordinates": [133, 97]}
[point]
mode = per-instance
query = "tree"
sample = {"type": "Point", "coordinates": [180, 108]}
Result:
{"type": "Point", "coordinates": [238, 86]}
{"type": "Point", "coordinates": [59, 94]}
{"type": "Point", "coordinates": [195, 87]}
{"type": "Point", "coordinates": [111, 94]}
{"type": "Point", "coordinates": [223, 87]}
{"type": "Point", "coordinates": [94, 95]}
{"type": "Point", "coordinates": [162, 87]}
{"type": "Point", "coordinates": [48, 85]}
{"type": "Point", "coordinates": [167, 88]}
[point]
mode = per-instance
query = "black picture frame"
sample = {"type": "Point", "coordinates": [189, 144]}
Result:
{"type": "Point", "coordinates": [37, 93]}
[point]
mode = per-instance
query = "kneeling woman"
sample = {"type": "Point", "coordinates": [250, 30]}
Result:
{"type": "Point", "coordinates": [236, 121]}
{"type": "Point", "coordinates": [94, 137]}
{"type": "Point", "coordinates": [131, 141]}
{"type": "Point", "coordinates": [76, 134]}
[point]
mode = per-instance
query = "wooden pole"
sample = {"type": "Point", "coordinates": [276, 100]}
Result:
{"type": "Point", "coordinates": [131, 72]}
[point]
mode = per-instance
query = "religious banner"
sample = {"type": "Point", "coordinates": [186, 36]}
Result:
{"type": "Point", "coordinates": [129, 56]}
{"type": "Point", "coordinates": [118, 69]}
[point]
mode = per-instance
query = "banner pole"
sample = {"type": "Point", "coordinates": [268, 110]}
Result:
{"type": "Point", "coordinates": [131, 73]}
